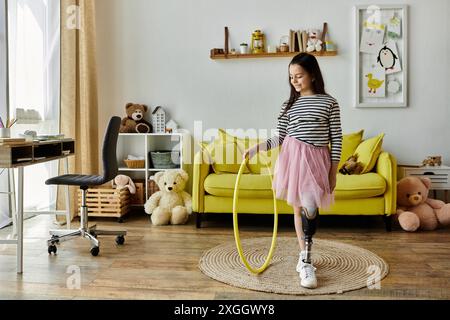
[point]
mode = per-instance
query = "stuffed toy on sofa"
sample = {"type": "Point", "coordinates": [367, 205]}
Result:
{"type": "Point", "coordinates": [415, 211]}
{"type": "Point", "coordinates": [135, 122]}
{"type": "Point", "coordinates": [171, 204]}
{"type": "Point", "coordinates": [352, 166]}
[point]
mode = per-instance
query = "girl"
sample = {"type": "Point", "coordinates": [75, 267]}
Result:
{"type": "Point", "coordinates": [306, 168]}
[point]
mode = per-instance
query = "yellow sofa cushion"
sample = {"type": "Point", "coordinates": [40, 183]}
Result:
{"type": "Point", "coordinates": [258, 162]}
{"type": "Point", "coordinates": [368, 152]}
{"type": "Point", "coordinates": [224, 157]}
{"type": "Point", "coordinates": [350, 142]}
{"type": "Point", "coordinates": [258, 186]}
{"type": "Point", "coordinates": [250, 186]}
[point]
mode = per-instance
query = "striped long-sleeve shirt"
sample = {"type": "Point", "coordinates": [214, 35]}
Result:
{"type": "Point", "coordinates": [312, 119]}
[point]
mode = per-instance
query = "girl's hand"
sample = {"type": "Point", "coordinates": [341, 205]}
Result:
{"type": "Point", "coordinates": [332, 181]}
{"type": "Point", "coordinates": [332, 176]}
{"type": "Point", "coordinates": [249, 153]}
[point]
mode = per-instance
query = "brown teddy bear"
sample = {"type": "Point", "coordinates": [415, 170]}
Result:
{"type": "Point", "coordinates": [415, 210]}
{"type": "Point", "coordinates": [135, 122]}
{"type": "Point", "coordinates": [352, 166]}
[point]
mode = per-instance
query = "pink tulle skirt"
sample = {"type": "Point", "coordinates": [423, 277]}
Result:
{"type": "Point", "coordinates": [301, 174]}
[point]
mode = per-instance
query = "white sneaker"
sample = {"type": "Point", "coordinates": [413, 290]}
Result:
{"type": "Point", "coordinates": [308, 276]}
{"type": "Point", "coordinates": [301, 257]}
{"type": "Point", "coordinates": [306, 272]}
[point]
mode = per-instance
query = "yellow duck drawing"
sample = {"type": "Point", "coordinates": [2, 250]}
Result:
{"type": "Point", "coordinates": [373, 83]}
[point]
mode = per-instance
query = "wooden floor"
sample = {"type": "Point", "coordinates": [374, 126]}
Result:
{"type": "Point", "coordinates": [162, 262]}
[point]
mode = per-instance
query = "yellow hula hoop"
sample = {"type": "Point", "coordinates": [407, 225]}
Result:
{"type": "Point", "coordinates": [236, 225]}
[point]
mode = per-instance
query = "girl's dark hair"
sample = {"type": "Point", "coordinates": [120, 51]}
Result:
{"type": "Point", "coordinates": [309, 63]}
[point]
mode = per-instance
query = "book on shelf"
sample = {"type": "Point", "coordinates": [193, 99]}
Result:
{"type": "Point", "coordinates": [297, 43]}
{"type": "Point", "coordinates": [304, 40]}
{"type": "Point", "coordinates": [291, 40]}
{"type": "Point", "coordinates": [299, 40]}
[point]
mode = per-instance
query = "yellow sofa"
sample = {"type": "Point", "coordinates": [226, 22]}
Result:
{"type": "Point", "coordinates": [371, 193]}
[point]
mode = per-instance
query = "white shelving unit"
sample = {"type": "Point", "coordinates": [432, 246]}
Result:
{"type": "Point", "coordinates": [140, 144]}
{"type": "Point", "coordinates": [439, 176]}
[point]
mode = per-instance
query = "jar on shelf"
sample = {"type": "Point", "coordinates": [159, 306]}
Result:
{"type": "Point", "coordinates": [244, 48]}
{"type": "Point", "coordinates": [284, 47]}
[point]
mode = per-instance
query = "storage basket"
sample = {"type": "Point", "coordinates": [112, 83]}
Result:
{"type": "Point", "coordinates": [135, 164]}
{"type": "Point", "coordinates": [152, 187]}
{"type": "Point", "coordinates": [106, 202]}
{"type": "Point", "coordinates": [165, 159]}
{"type": "Point", "coordinates": [139, 197]}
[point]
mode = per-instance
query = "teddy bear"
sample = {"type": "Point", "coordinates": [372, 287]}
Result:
{"type": "Point", "coordinates": [352, 166]}
{"type": "Point", "coordinates": [171, 204]}
{"type": "Point", "coordinates": [135, 122]}
{"type": "Point", "coordinates": [415, 210]}
{"type": "Point", "coordinates": [122, 181]}
{"type": "Point", "coordinates": [314, 43]}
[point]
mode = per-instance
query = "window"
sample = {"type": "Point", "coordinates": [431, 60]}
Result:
{"type": "Point", "coordinates": [4, 200]}
{"type": "Point", "coordinates": [34, 75]}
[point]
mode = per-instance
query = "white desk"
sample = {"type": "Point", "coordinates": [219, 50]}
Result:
{"type": "Point", "coordinates": [21, 155]}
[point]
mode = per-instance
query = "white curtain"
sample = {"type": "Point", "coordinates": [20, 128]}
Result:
{"type": "Point", "coordinates": [34, 83]}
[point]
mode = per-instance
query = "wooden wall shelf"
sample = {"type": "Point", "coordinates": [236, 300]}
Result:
{"type": "Point", "coordinates": [269, 55]}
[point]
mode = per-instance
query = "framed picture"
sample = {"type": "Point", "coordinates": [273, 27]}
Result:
{"type": "Point", "coordinates": [381, 54]}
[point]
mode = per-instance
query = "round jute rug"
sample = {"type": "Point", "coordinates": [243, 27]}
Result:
{"type": "Point", "coordinates": [340, 267]}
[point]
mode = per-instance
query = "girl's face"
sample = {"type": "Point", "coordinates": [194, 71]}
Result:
{"type": "Point", "coordinates": [300, 79]}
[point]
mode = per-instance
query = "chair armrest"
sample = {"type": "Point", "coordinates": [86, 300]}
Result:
{"type": "Point", "coordinates": [200, 172]}
{"type": "Point", "coordinates": [387, 168]}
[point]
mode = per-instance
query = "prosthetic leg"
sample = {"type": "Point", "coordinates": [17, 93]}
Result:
{"type": "Point", "coordinates": [309, 222]}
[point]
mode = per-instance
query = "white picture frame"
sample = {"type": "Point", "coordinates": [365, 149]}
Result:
{"type": "Point", "coordinates": [390, 19]}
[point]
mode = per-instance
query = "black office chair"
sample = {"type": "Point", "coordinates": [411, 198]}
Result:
{"type": "Point", "coordinates": [110, 170]}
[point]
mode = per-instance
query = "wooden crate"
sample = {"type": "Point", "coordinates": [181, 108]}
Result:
{"type": "Point", "coordinates": [106, 202]}
{"type": "Point", "coordinates": [139, 197]}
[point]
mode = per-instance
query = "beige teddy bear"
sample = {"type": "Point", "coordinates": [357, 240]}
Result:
{"type": "Point", "coordinates": [171, 204]}
{"type": "Point", "coordinates": [415, 210]}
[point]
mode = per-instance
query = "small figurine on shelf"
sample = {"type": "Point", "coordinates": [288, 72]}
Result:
{"type": "Point", "coordinates": [171, 126]}
{"type": "Point", "coordinates": [314, 43]}
{"type": "Point", "coordinates": [159, 120]}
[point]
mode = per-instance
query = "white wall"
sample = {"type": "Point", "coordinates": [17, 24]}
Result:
{"type": "Point", "coordinates": [157, 52]}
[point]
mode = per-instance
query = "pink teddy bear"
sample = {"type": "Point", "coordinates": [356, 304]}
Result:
{"type": "Point", "coordinates": [415, 210]}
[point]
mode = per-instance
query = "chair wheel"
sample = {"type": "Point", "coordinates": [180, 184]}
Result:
{"type": "Point", "coordinates": [52, 249]}
{"type": "Point", "coordinates": [95, 251]}
{"type": "Point", "coordinates": [120, 240]}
